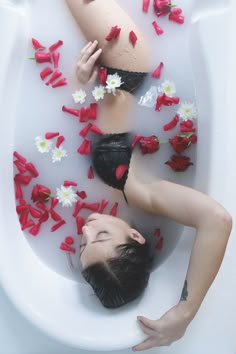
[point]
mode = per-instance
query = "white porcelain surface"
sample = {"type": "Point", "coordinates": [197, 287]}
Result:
{"type": "Point", "coordinates": [50, 299]}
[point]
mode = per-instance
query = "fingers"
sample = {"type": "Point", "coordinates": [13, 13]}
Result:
{"type": "Point", "coordinates": [83, 50]}
{"type": "Point", "coordinates": [92, 60]}
{"type": "Point", "coordinates": [88, 52]}
{"type": "Point", "coordinates": [146, 344]}
{"type": "Point", "coordinates": [146, 329]}
{"type": "Point", "coordinates": [93, 76]}
{"type": "Point", "coordinates": [150, 324]}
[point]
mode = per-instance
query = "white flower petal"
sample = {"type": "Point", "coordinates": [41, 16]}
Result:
{"type": "Point", "coordinates": [79, 96]}
{"type": "Point", "coordinates": [43, 145]}
{"type": "Point", "coordinates": [187, 111]}
{"type": "Point", "coordinates": [98, 92]}
{"type": "Point", "coordinates": [167, 87]}
{"type": "Point", "coordinates": [113, 81]}
{"type": "Point", "coordinates": [58, 154]}
{"type": "Point", "coordinates": [66, 196]}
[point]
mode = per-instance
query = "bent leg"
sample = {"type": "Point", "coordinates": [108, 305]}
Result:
{"type": "Point", "coordinates": [95, 19]}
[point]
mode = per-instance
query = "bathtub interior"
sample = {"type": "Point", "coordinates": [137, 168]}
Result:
{"type": "Point", "coordinates": [44, 287]}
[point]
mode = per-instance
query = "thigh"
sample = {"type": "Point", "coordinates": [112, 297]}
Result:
{"type": "Point", "coordinates": [95, 19]}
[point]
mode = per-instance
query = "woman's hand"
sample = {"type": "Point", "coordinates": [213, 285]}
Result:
{"type": "Point", "coordinates": [86, 71]}
{"type": "Point", "coordinates": [169, 328]}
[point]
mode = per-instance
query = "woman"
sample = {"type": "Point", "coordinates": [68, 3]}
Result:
{"type": "Point", "coordinates": [114, 256]}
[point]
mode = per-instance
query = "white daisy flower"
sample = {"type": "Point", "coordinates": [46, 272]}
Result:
{"type": "Point", "coordinates": [187, 111]}
{"type": "Point", "coordinates": [43, 145]}
{"type": "Point", "coordinates": [167, 87]}
{"type": "Point", "coordinates": [98, 92]}
{"type": "Point", "coordinates": [58, 154]}
{"type": "Point", "coordinates": [79, 96]}
{"type": "Point", "coordinates": [113, 82]}
{"type": "Point", "coordinates": [66, 196]}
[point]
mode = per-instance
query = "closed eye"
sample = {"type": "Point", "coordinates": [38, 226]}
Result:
{"type": "Point", "coordinates": [101, 240]}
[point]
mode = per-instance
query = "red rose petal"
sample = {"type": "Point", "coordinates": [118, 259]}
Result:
{"type": "Point", "coordinates": [85, 130]}
{"type": "Point", "coordinates": [91, 206]}
{"type": "Point", "coordinates": [60, 140]}
{"type": "Point", "coordinates": [90, 173]}
{"type": "Point", "coordinates": [69, 240]}
{"type": "Point", "coordinates": [157, 72]}
{"type": "Point", "coordinates": [120, 171]}
{"type": "Point", "coordinates": [44, 217]}
{"type": "Point", "coordinates": [35, 212]}
{"type": "Point", "coordinates": [157, 232]}
{"type": "Point", "coordinates": [56, 45]}
{"type": "Point", "coordinates": [113, 34]}
{"type": "Point", "coordinates": [187, 126]}
{"type": "Point", "coordinates": [172, 124]}
{"type": "Point", "coordinates": [41, 206]}
{"type": "Point", "coordinates": [179, 163]}
{"type": "Point", "coordinates": [158, 29]}
{"type": "Point", "coordinates": [35, 229]}
{"type": "Point", "coordinates": [65, 247]}
{"type": "Point", "coordinates": [55, 216]}
{"type": "Point", "coordinates": [146, 5]}
{"type": "Point", "coordinates": [136, 139]}
{"type": "Point", "coordinates": [22, 179]}
{"type": "Point", "coordinates": [92, 112]}
{"type": "Point", "coordinates": [102, 73]}
{"type": "Point", "coordinates": [113, 211]}
{"type": "Point", "coordinates": [54, 77]}
{"type": "Point", "coordinates": [84, 114]}
{"type": "Point", "coordinates": [104, 203]}
{"type": "Point", "coordinates": [176, 11]}
{"type": "Point", "coordinates": [159, 244]}
{"type": "Point", "coordinates": [82, 194]}
{"type": "Point", "coordinates": [96, 130]}
{"type": "Point", "coordinates": [55, 59]}
{"type": "Point", "coordinates": [74, 112]}
{"type": "Point", "coordinates": [78, 207]}
{"type": "Point", "coordinates": [27, 225]}
{"type": "Point", "coordinates": [21, 208]}
{"type": "Point", "coordinates": [21, 168]}
{"type": "Point", "coordinates": [32, 169]}
{"type": "Point", "coordinates": [45, 72]}
{"type": "Point", "coordinates": [79, 224]}
{"type": "Point", "coordinates": [70, 183]}
{"type": "Point", "coordinates": [85, 147]}
{"type": "Point", "coordinates": [37, 45]}
{"type": "Point", "coordinates": [18, 191]}
{"type": "Point", "coordinates": [133, 38]}
{"type": "Point", "coordinates": [51, 135]}
{"type": "Point", "coordinates": [24, 217]}
{"type": "Point", "coordinates": [58, 225]}
{"type": "Point", "coordinates": [62, 82]}
{"type": "Point", "coordinates": [176, 18]}
{"type": "Point", "coordinates": [54, 202]}
{"type": "Point", "coordinates": [19, 157]}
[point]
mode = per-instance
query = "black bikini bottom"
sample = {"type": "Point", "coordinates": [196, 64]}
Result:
{"type": "Point", "coordinates": [131, 79]}
{"type": "Point", "coordinates": [109, 152]}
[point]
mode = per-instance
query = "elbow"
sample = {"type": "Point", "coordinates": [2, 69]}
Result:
{"type": "Point", "coordinates": [224, 220]}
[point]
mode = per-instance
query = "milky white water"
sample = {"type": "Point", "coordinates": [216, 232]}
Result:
{"type": "Point", "coordinates": [39, 111]}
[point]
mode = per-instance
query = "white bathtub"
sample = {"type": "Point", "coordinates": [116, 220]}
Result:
{"type": "Point", "coordinates": [50, 300]}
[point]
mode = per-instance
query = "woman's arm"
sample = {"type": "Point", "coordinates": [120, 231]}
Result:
{"type": "Point", "coordinates": [213, 226]}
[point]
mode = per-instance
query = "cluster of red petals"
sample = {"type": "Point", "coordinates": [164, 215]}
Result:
{"type": "Point", "coordinates": [172, 124]}
{"type": "Point", "coordinates": [182, 142]}
{"type": "Point", "coordinates": [40, 193]}
{"type": "Point", "coordinates": [179, 163]}
{"type": "Point", "coordinates": [65, 247]}
{"type": "Point", "coordinates": [164, 100]}
{"type": "Point", "coordinates": [113, 34]}
{"type": "Point", "coordinates": [187, 126]}
{"type": "Point", "coordinates": [162, 7]}
{"type": "Point", "coordinates": [90, 127]}
{"type": "Point", "coordinates": [51, 57]}
{"type": "Point", "coordinates": [149, 144]}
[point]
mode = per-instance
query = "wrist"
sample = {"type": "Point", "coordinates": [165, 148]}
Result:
{"type": "Point", "coordinates": [188, 310]}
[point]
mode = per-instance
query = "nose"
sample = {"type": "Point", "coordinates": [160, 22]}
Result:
{"type": "Point", "coordinates": [87, 234]}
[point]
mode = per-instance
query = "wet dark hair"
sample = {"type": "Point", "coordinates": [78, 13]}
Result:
{"type": "Point", "coordinates": [121, 279]}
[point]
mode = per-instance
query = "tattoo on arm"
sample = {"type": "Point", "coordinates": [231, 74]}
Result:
{"type": "Point", "coordinates": [184, 294]}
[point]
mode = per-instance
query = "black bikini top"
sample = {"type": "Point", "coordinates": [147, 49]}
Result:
{"type": "Point", "coordinates": [111, 156]}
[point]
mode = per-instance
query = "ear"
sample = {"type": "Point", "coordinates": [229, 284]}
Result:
{"type": "Point", "coordinates": [135, 235]}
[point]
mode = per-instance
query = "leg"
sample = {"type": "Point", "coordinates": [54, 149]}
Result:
{"type": "Point", "coordinates": [95, 19]}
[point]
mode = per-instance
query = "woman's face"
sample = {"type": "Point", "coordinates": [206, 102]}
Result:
{"type": "Point", "coordinates": [101, 235]}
